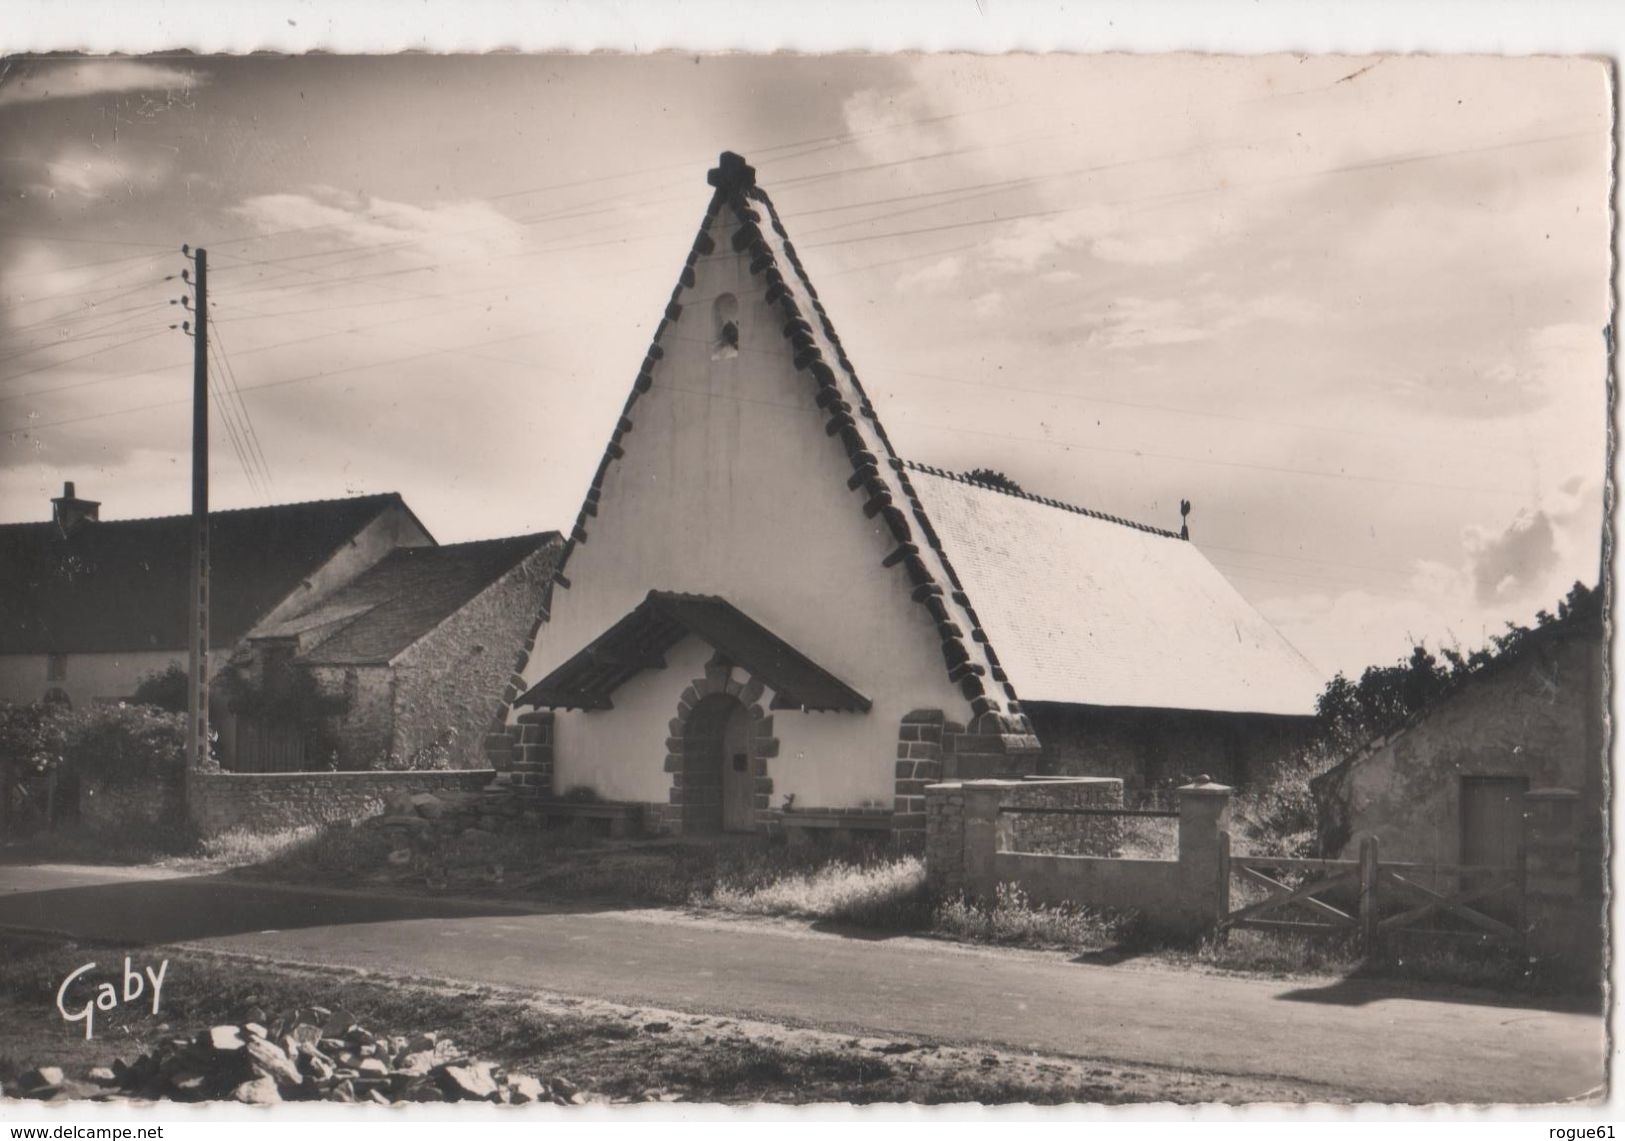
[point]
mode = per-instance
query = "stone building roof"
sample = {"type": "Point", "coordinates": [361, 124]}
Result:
{"type": "Point", "coordinates": [404, 596]}
{"type": "Point", "coordinates": [1090, 609]}
{"type": "Point", "coordinates": [121, 586]}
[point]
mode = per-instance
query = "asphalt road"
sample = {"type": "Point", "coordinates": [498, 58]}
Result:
{"type": "Point", "coordinates": [1354, 1039]}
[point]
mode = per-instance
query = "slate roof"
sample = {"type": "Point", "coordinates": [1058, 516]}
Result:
{"type": "Point", "coordinates": [121, 585]}
{"type": "Point", "coordinates": [640, 640]}
{"type": "Point", "coordinates": [408, 593]}
{"type": "Point", "coordinates": [1089, 609]}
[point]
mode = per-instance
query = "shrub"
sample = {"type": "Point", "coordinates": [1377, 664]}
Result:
{"type": "Point", "coordinates": [112, 744]}
{"type": "Point", "coordinates": [169, 690]}
{"type": "Point", "coordinates": [31, 736]}
{"type": "Point", "coordinates": [122, 744]}
{"type": "Point", "coordinates": [1279, 817]}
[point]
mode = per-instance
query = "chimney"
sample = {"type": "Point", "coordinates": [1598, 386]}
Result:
{"type": "Point", "coordinates": [70, 512]}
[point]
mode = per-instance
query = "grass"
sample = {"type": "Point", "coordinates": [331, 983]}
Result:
{"type": "Point", "coordinates": [119, 843]}
{"type": "Point", "coordinates": [611, 1052]}
{"type": "Point", "coordinates": [883, 894]}
{"type": "Point", "coordinates": [853, 883]}
{"type": "Point", "coordinates": [1013, 920]}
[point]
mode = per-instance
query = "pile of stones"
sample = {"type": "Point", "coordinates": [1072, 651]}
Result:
{"type": "Point", "coordinates": [428, 831]}
{"type": "Point", "coordinates": [311, 1054]}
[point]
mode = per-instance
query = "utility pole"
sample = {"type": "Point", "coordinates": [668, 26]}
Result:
{"type": "Point", "coordinates": [197, 748]}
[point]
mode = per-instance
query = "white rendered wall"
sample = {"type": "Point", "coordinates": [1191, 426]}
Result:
{"type": "Point", "coordinates": [89, 677]}
{"type": "Point", "coordinates": [730, 486]}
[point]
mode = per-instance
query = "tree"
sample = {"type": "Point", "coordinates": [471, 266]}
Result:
{"type": "Point", "coordinates": [1386, 697]}
{"type": "Point", "coordinates": [168, 690]}
{"type": "Point", "coordinates": [993, 479]}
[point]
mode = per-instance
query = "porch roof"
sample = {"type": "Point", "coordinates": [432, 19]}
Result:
{"type": "Point", "coordinates": [640, 641]}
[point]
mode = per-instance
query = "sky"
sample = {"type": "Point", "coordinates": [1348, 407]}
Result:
{"type": "Point", "coordinates": [1352, 308]}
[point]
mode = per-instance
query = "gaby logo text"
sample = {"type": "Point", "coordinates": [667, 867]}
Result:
{"type": "Point", "coordinates": [107, 995]}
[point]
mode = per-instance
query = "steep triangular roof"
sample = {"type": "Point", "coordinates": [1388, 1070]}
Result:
{"type": "Point", "coordinates": [1070, 637]}
{"type": "Point", "coordinates": [878, 483]}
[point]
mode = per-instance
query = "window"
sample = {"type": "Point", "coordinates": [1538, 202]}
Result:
{"type": "Point", "coordinates": [56, 667]}
{"type": "Point", "coordinates": [725, 317]}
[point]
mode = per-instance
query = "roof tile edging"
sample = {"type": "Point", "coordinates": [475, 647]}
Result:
{"type": "Point", "coordinates": [927, 592]}
{"type": "Point", "coordinates": [703, 244]}
{"type": "Point", "coordinates": [733, 179]}
{"type": "Point", "coordinates": [1058, 504]}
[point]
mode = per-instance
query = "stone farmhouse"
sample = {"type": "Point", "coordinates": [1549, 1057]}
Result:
{"type": "Point", "coordinates": [415, 649]}
{"type": "Point", "coordinates": [90, 607]}
{"type": "Point", "coordinates": [415, 638]}
{"type": "Point", "coordinates": [765, 618]}
{"type": "Point", "coordinates": [1504, 771]}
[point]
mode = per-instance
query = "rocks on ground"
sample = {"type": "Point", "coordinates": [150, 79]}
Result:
{"type": "Point", "coordinates": [309, 1054]}
{"type": "Point", "coordinates": [429, 831]}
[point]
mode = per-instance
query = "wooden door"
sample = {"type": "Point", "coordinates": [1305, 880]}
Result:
{"type": "Point", "coordinates": [1492, 820]}
{"type": "Point", "coordinates": [738, 786]}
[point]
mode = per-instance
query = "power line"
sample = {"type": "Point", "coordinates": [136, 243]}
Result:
{"type": "Point", "coordinates": [1141, 453]}
{"type": "Point", "coordinates": [1278, 469]}
{"type": "Point", "coordinates": [1174, 409]}
{"type": "Point", "coordinates": [127, 289]}
{"type": "Point", "coordinates": [1353, 168]}
{"type": "Point", "coordinates": [225, 411]}
{"type": "Point", "coordinates": [1304, 559]}
{"type": "Point", "coordinates": [115, 329]}
{"type": "Point", "coordinates": [253, 436]}
{"type": "Point", "coordinates": [60, 319]}
{"type": "Point", "coordinates": [80, 357]}
{"type": "Point", "coordinates": [87, 241]}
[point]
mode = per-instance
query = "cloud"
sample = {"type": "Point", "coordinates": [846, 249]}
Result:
{"type": "Point", "coordinates": [1031, 241]}
{"type": "Point", "coordinates": [1504, 573]}
{"type": "Point", "coordinates": [934, 277]}
{"type": "Point", "coordinates": [1506, 566]}
{"type": "Point", "coordinates": [988, 304]}
{"type": "Point", "coordinates": [94, 172]}
{"type": "Point", "coordinates": [1160, 248]}
{"type": "Point", "coordinates": [442, 231]}
{"type": "Point", "coordinates": [37, 82]}
{"type": "Point", "coordinates": [1139, 322]}
{"type": "Point", "coordinates": [896, 123]}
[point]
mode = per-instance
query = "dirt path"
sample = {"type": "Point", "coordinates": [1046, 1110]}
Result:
{"type": "Point", "coordinates": [1366, 1039]}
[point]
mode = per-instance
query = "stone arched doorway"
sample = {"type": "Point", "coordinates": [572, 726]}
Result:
{"type": "Point", "coordinates": [719, 790]}
{"type": "Point", "coordinates": [717, 754]}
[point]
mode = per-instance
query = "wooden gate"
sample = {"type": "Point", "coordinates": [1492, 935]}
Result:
{"type": "Point", "coordinates": [265, 746]}
{"type": "Point", "coordinates": [1370, 900]}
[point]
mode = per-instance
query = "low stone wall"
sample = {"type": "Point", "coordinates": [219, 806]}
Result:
{"type": "Point", "coordinates": [970, 842]}
{"type": "Point", "coordinates": [270, 802]}
{"type": "Point", "coordinates": [1055, 833]}
{"type": "Point", "coordinates": [115, 805]}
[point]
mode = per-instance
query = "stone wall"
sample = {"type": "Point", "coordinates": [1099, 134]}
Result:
{"type": "Point", "coordinates": [1538, 717]}
{"type": "Point", "coordinates": [360, 739]}
{"type": "Point", "coordinates": [269, 802]}
{"type": "Point", "coordinates": [969, 852]}
{"type": "Point", "coordinates": [1163, 748]}
{"type": "Point", "coordinates": [149, 803]}
{"type": "Point", "coordinates": [450, 683]}
{"type": "Point", "coordinates": [1058, 833]}
{"type": "Point", "coordinates": [993, 745]}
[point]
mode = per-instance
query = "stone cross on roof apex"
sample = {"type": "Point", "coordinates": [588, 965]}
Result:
{"type": "Point", "coordinates": [732, 173]}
